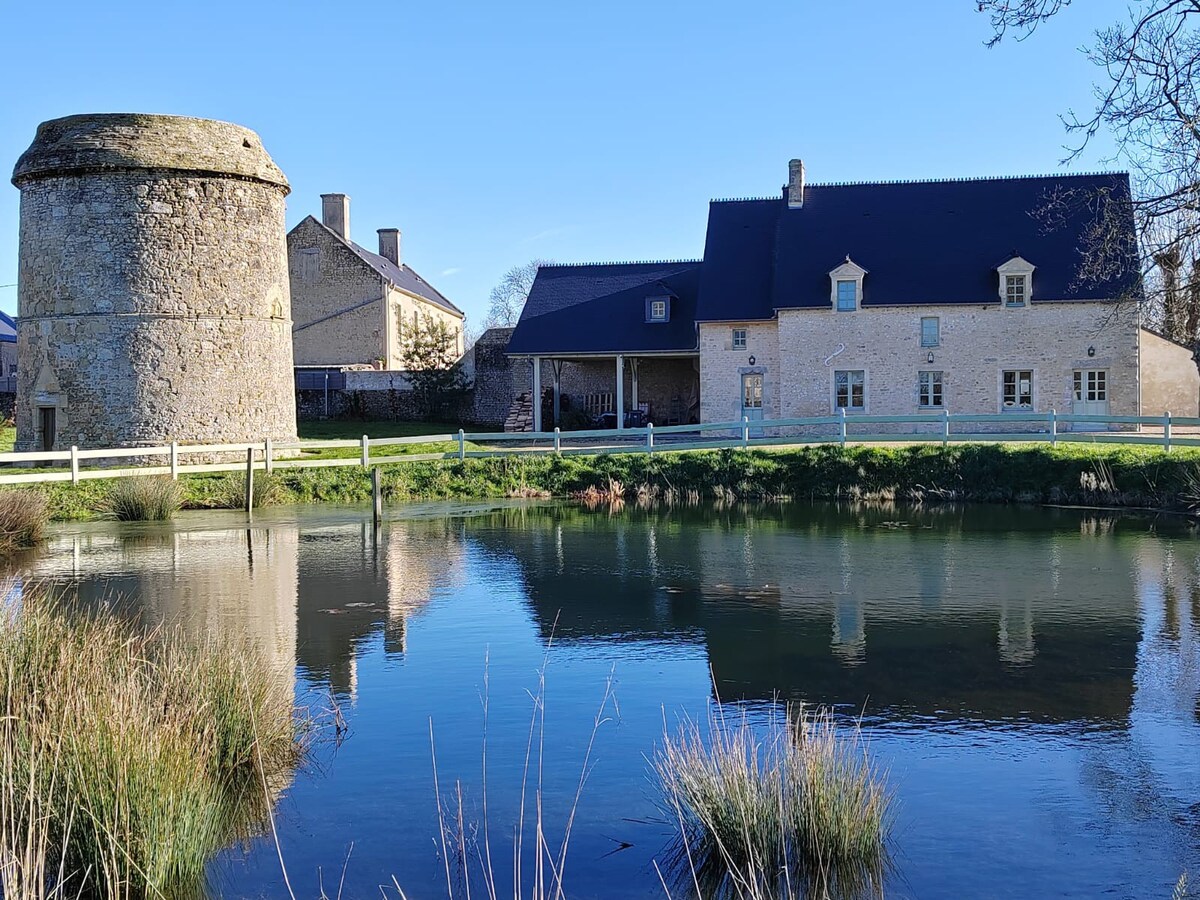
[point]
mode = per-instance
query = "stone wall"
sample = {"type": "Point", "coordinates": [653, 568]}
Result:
{"type": "Point", "coordinates": [975, 345]}
{"type": "Point", "coordinates": [1170, 381]}
{"type": "Point", "coordinates": [337, 300]}
{"type": "Point", "coordinates": [152, 295]}
{"type": "Point", "coordinates": [496, 379]}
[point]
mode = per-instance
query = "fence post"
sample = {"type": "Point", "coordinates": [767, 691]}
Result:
{"type": "Point", "coordinates": [745, 431]}
{"type": "Point", "coordinates": [376, 496]}
{"type": "Point", "coordinates": [945, 426]}
{"type": "Point", "coordinates": [1053, 428]}
{"type": "Point", "coordinates": [249, 480]}
{"type": "Point", "coordinates": [462, 445]}
{"type": "Point", "coordinates": [557, 439]}
{"type": "Point", "coordinates": [649, 437]}
{"type": "Point", "coordinates": [269, 456]}
{"type": "Point", "coordinates": [366, 451]}
{"type": "Point", "coordinates": [1167, 431]}
{"type": "Point", "coordinates": [174, 460]}
{"type": "Point", "coordinates": [842, 425]}
{"type": "Point", "coordinates": [74, 464]}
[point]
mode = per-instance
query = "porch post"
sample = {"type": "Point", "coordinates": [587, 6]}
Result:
{"type": "Point", "coordinates": [633, 368]}
{"type": "Point", "coordinates": [620, 391]}
{"type": "Point", "coordinates": [537, 393]}
{"type": "Point", "coordinates": [556, 373]}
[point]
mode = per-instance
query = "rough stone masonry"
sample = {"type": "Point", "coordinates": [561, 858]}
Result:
{"type": "Point", "coordinates": [152, 292]}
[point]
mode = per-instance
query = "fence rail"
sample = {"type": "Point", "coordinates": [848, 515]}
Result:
{"type": "Point", "coordinates": [944, 428]}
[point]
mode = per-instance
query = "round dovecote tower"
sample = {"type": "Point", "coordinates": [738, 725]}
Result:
{"type": "Point", "coordinates": [152, 295]}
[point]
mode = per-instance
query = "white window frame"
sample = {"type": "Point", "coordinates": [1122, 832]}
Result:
{"type": "Point", "coordinates": [1017, 405]}
{"type": "Point", "coordinates": [850, 373]}
{"type": "Point", "coordinates": [937, 331]}
{"type": "Point", "coordinates": [935, 391]}
{"type": "Point", "coordinates": [658, 310]}
{"type": "Point", "coordinates": [1016, 268]}
{"type": "Point", "coordinates": [1090, 382]}
{"type": "Point", "coordinates": [735, 343]}
{"type": "Point", "coordinates": [847, 271]}
{"type": "Point", "coordinates": [749, 378]}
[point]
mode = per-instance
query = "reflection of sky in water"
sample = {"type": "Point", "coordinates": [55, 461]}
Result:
{"type": "Point", "coordinates": [1030, 678]}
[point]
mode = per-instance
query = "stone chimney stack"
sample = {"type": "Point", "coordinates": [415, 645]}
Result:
{"type": "Point", "coordinates": [389, 244]}
{"type": "Point", "coordinates": [795, 188]}
{"type": "Point", "coordinates": [335, 213]}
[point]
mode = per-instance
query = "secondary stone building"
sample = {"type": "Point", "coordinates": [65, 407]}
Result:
{"type": "Point", "coordinates": [899, 298]}
{"type": "Point", "coordinates": [352, 307]}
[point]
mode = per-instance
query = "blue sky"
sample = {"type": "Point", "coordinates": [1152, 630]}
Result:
{"type": "Point", "coordinates": [493, 133]}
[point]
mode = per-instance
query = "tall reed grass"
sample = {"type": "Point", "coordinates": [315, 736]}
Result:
{"type": "Point", "coordinates": [154, 498]}
{"type": "Point", "coordinates": [127, 758]}
{"type": "Point", "coordinates": [791, 809]}
{"type": "Point", "coordinates": [24, 515]}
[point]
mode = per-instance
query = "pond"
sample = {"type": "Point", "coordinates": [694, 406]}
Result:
{"type": "Point", "coordinates": [1029, 678]}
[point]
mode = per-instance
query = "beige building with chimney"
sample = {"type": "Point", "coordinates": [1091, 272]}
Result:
{"type": "Point", "coordinates": [351, 306]}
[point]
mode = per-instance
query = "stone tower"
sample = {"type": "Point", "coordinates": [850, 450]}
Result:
{"type": "Point", "coordinates": [152, 294]}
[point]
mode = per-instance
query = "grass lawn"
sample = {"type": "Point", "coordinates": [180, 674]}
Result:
{"type": "Point", "coordinates": [354, 430]}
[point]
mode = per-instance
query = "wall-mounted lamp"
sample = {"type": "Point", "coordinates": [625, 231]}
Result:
{"type": "Point", "coordinates": [929, 358]}
{"type": "Point", "coordinates": [752, 360]}
{"type": "Point", "coordinates": [1091, 351]}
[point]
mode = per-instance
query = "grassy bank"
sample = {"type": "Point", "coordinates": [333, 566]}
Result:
{"type": "Point", "coordinates": [128, 758]}
{"type": "Point", "coordinates": [996, 473]}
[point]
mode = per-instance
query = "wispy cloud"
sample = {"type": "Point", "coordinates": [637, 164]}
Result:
{"type": "Point", "coordinates": [446, 273]}
{"type": "Point", "coordinates": [549, 232]}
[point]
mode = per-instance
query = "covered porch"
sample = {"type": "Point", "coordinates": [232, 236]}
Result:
{"type": "Point", "coordinates": [633, 389]}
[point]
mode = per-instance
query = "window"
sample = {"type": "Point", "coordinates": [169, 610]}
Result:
{"type": "Point", "coordinates": [310, 264]}
{"type": "Point", "coordinates": [847, 295]}
{"type": "Point", "coordinates": [1091, 386]}
{"type": "Point", "coordinates": [929, 389]}
{"type": "Point", "coordinates": [849, 389]}
{"type": "Point", "coordinates": [1014, 290]}
{"type": "Point", "coordinates": [739, 339]}
{"type": "Point", "coordinates": [599, 403]}
{"type": "Point", "coordinates": [930, 331]}
{"type": "Point", "coordinates": [1017, 390]}
{"type": "Point", "coordinates": [658, 310]}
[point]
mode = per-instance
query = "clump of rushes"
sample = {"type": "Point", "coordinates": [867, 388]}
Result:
{"type": "Point", "coordinates": [24, 515]}
{"type": "Point", "coordinates": [794, 808]}
{"type": "Point", "coordinates": [268, 490]}
{"type": "Point", "coordinates": [127, 758]}
{"type": "Point", "coordinates": [154, 498]}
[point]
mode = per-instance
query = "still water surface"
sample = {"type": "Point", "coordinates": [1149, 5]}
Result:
{"type": "Point", "coordinates": [1030, 678]}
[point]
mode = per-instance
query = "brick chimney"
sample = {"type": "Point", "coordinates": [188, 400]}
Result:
{"type": "Point", "coordinates": [335, 213]}
{"type": "Point", "coordinates": [795, 188]}
{"type": "Point", "coordinates": [389, 244]}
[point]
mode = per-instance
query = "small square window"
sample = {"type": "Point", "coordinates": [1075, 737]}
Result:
{"type": "Point", "coordinates": [930, 331]}
{"type": "Point", "coordinates": [929, 389]}
{"type": "Point", "coordinates": [658, 310]}
{"type": "Point", "coordinates": [1014, 290]}
{"type": "Point", "coordinates": [847, 295]}
{"type": "Point", "coordinates": [849, 389]}
{"type": "Point", "coordinates": [739, 339]}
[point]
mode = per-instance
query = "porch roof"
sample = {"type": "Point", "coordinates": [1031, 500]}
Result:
{"type": "Point", "coordinates": [600, 310]}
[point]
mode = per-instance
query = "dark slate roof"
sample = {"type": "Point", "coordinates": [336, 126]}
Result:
{"type": "Point", "coordinates": [8, 328]}
{"type": "Point", "coordinates": [600, 308]}
{"type": "Point", "coordinates": [932, 242]}
{"type": "Point", "coordinates": [402, 276]}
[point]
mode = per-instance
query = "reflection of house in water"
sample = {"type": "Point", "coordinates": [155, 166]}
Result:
{"type": "Point", "coordinates": [983, 612]}
{"type": "Point", "coordinates": [352, 584]}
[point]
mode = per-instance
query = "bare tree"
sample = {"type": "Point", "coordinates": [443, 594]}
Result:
{"type": "Point", "coordinates": [509, 296]}
{"type": "Point", "coordinates": [1147, 96]}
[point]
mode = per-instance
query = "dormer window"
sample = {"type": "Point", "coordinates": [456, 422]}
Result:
{"type": "Point", "coordinates": [846, 286]}
{"type": "Point", "coordinates": [657, 309]}
{"type": "Point", "coordinates": [1016, 282]}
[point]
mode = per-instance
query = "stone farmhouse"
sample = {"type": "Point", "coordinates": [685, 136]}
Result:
{"type": "Point", "coordinates": [351, 307]}
{"type": "Point", "coordinates": [894, 298]}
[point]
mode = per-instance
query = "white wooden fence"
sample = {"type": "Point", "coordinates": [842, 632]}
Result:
{"type": "Point", "coordinates": [171, 459]}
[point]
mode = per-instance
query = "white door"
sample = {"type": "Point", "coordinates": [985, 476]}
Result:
{"type": "Point", "coordinates": [752, 397]}
{"type": "Point", "coordinates": [1090, 397]}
